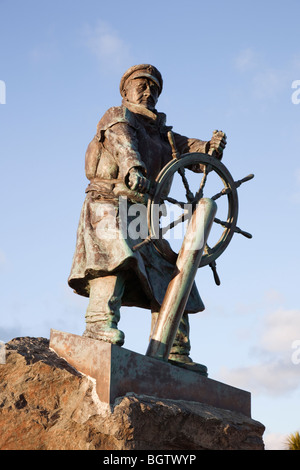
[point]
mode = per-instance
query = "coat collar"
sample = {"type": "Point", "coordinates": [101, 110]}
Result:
{"type": "Point", "coordinates": [139, 109]}
{"type": "Point", "coordinates": [158, 119]}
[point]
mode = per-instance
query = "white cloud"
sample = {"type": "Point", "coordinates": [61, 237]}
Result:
{"type": "Point", "coordinates": [266, 81]}
{"type": "Point", "coordinates": [112, 52]}
{"type": "Point", "coordinates": [273, 297]}
{"type": "Point", "coordinates": [274, 378]}
{"type": "Point", "coordinates": [275, 441]}
{"type": "Point", "coordinates": [246, 60]}
{"type": "Point", "coordinates": [281, 329]}
{"type": "Point", "coordinates": [276, 373]}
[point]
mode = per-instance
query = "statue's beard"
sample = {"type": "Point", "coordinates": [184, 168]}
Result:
{"type": "Point", "coordinates": [140, 109]}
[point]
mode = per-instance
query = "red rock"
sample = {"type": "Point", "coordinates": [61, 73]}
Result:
{"type": "Point", "coordinates": [45, 404]}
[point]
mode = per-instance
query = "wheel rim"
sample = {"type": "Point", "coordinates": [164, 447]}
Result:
{"type": "Point", "coordinates": [164, 180]}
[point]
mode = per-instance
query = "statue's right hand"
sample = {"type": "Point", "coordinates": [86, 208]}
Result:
{"type": "Point", "coordinates": [137, 181]}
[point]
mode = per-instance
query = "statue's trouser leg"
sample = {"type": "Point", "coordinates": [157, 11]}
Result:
{"type": "Point", "coordinates": [181, 345]}
{"type": "Point", "coordinates": [103, 312]}
{"type": "Point", "coordinates": [180, 351]}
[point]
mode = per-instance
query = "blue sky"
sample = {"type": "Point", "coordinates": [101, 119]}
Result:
{"type": "Point", "coordinates": [226, 65]}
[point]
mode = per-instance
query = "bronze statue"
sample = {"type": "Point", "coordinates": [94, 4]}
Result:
{"type": "Point", "coordinates": [131, 146]}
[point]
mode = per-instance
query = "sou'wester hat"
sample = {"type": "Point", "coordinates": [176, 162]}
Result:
{"type": "Point", "coordinates": [142, 70]}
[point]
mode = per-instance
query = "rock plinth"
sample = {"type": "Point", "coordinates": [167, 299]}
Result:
{"type": "Point", "coordinates": [45, 404]}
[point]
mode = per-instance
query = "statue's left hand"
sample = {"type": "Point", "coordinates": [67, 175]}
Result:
{"type": "Point", "coordinates": [217, 144]}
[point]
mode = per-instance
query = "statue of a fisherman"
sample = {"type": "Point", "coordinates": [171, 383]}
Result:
{"type": "Point", "coordinates": [127, 153]}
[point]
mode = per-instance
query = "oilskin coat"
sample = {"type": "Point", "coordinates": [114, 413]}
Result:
{"type": "Point", "coordinates": [127, 136]}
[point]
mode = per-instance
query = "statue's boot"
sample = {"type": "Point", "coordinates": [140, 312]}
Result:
{"type": "Point", "coordinates": [103, 312]}
{"type": "Point", "coordinates": [180, 351]}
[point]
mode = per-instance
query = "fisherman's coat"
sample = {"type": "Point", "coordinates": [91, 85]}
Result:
{"type": "Point", "coordinates": [128, 136]}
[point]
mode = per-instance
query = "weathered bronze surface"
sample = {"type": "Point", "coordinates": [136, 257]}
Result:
{"type": "Point", "coordinates": [134, 156]}
{"type": "Point", "coordinates": [118, 371]}
{"type": "Point", "coordinates": [180, 286]}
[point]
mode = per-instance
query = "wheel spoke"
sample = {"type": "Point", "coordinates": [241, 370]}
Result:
{"type": "Point", "coordinates": [243, 180]}
{"type": "Point", "coordinates": [199, 193]}
{"type": "Point", "coordinates": [175, 222]}
{"type": "Point", "coordinates": [222, 222]}
{"type": "Point", "coordinates": [188, 192]}
{"type": "Point", "coordinates": [236, 229]}
{"type": "Point", "coordinates": [174, 201]}
{"type": "Point", "coordinates": [221, 193]}
{"type": "Point", "coordinates": [207, 249]}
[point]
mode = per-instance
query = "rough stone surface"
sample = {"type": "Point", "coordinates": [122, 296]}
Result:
{"type": "Point", "coordinates": [45, 404]}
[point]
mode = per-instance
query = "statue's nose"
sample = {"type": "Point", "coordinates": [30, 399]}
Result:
{"type": "Point", "coordinates": [147, 91]}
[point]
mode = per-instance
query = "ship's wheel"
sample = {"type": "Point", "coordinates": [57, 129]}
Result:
{"type": "Point", "coordinates": [181, 184]}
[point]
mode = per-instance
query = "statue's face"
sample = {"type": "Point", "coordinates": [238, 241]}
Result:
{"type": "Point", "coordinates": [142, 91]}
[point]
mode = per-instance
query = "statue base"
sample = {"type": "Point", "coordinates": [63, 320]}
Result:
{"type": "Point", "coordinates": [119, 371]}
